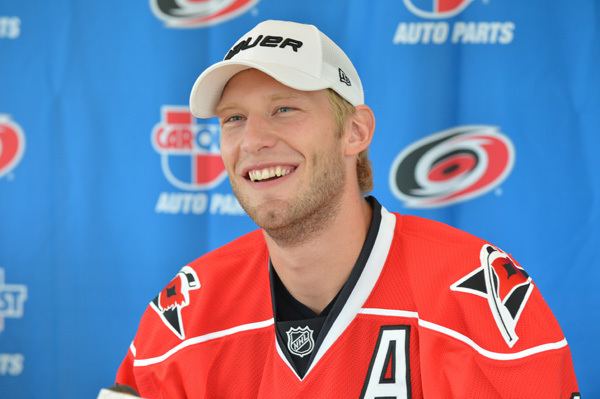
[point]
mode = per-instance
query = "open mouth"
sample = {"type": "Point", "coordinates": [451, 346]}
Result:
{"type": "Point", "coordinates": [269, 173]}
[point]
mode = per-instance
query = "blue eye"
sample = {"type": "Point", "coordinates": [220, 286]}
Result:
{"type": "Point", "coordinates": [233, 118]}
{"type": "Point", "coordinates": [284, 109]}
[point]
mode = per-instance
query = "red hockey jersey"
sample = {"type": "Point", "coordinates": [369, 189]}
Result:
{"type": "Point", "coordinates": [434, 313]}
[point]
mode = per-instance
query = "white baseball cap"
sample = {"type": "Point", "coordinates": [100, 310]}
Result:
{"type": "Point", "coordinates": [297, 55]}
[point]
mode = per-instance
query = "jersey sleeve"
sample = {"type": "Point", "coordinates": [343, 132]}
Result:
{"type": "Point", "coordinates": [125, 374]}
{"type": "Point", "coordinates": [490, 334]}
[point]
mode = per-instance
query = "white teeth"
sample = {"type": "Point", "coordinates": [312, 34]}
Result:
{"type": "Point", "coordinates": [267, 173]}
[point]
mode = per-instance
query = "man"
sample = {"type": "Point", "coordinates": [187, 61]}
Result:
{"type": "Point", "coordinates": [334, 296]}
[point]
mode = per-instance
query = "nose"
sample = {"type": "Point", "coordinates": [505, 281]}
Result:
{"type": "Point", "coordinates": [258, 134]}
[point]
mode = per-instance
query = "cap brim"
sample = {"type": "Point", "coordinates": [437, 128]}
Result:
{"type": "Point", "coordinates": [209, 86]}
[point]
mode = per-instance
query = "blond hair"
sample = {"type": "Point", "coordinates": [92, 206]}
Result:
{"type": "Point", "coordinates": [342, 110]}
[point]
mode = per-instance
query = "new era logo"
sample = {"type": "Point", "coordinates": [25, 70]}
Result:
{"type": "Point", "coordinates": [344, 78]}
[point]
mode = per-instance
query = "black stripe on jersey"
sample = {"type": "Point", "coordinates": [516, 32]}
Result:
{"type": "Point", "coordinates": [342, 296]}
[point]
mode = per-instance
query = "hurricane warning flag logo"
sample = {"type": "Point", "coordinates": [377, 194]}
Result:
{"type": "Point", "coordinates": [190, 152]}
{"type": "Point", "coordinates": [12, 144]}
{"type": "Point", "coordinates": [436, 9]}
{"type": "Point", "coordinates": [174, 297]}
{"type": "Point", "coordinates": [504, 284]}
{"type": "Point", "coordinates": [198, 13]}
{"type": "Point", "coordinates": [451, 166]}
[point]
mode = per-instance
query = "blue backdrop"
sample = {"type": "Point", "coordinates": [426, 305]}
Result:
{"type": "Point", "coordinates": [487, 119]}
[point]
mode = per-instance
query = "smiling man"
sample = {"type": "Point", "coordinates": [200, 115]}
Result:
{"type": "Point", "coordinates": [334, 297]}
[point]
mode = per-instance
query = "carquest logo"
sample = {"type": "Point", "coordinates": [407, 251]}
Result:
{"type": "Point", "coordinates": [198, 13]}
{"type": "Point", "coordinates": [191, 161]}
{"type": "Point", "coordinates": [12, 306]}
{"type": "Point", "coordinates": [12, 300]}
{"type": "Point", "coordinates": [451, 166]}
{"type": "Point", "coordinates": [12, 145]}
{"type": "Point", "coordinates": [436, 8]}
{"type": "Point", "coordinates": [435, 31]}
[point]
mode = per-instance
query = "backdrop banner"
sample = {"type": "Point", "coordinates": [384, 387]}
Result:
{"type": "Point", "coordinates": [487, 119]}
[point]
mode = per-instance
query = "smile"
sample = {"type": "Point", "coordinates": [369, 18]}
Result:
{"type": "Point", "coordinates": [270, 173]}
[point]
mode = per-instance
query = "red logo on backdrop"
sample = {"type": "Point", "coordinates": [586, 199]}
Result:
{"type": "Point", "coordinates": [198, 13]}
{"type": "Point", "coordinates": [190, 153]}
{"type": "Point", "coordinates": [436, 9]}
{"type": "Point", "coordinates": [451, 166]}
{"type": "Point", "coordinates": [12, 144]}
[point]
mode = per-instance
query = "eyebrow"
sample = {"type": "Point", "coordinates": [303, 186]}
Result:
{"type": "Point", "coordinates": [274, 97]}
{"type": "Point", "coordinates": [220, 110]}
{"type": "Point", "coordinates": [277, 97]}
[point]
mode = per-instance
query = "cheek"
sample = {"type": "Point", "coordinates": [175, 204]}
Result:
{"type": "Point", "coordinates": [228, 154]}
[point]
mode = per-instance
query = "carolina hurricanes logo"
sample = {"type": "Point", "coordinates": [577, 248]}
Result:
{"type": "Point", "coordinates": [505, 286]}
{"type": "Point", "coordinates": [190, 153]}
{"type": "Point", "coordinates": [174, 297]}
{"type": "Point", "coordinates": [12, 144]}
{"type": "Point", "coordinates": [198, 13]}
{"type": "Point", "coordinates": [436, 9]}
{"type": "Point", "coordinates": [451, 166]}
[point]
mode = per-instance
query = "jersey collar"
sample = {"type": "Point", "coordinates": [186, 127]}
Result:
{"type": "Point", "coordinates": [355, 291]}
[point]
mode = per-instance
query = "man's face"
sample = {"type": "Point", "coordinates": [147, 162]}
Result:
{"type": "Point", "coordinates": [282, 152]}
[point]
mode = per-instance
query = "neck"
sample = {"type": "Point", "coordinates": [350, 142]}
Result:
{"type": "Point", "coordinates": [316, 268]}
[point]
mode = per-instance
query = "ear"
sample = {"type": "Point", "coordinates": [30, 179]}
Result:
{"type": "Point", "coordinates": [359, 131]}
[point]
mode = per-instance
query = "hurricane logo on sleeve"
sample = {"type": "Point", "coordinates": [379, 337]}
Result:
{"type": "Point", "coordinates": [12, 144]}
{"type": "Point", "coordinates": [174, 297]}
{"type": "Point", "coordinates": [451, 166]}
{"type": "Point", "coordinates": [504, 284]}
{"type": "Point", "coordinates": [436, 9]}
{"type": "Point", "coordinates": [198, 13]}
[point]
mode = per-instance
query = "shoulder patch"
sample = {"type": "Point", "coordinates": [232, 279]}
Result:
{"type": "Point", "coordinates": [174, 297]}
{"type": "Point", "coordinates": [504, 284]}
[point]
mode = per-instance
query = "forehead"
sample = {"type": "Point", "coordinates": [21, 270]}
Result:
{"type": "Point", "coordinates": [252, 83]}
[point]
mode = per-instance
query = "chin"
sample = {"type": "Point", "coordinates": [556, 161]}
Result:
{"type": "Point", "coordinates": [270, 215]}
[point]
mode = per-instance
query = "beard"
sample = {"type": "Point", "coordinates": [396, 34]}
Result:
{"type": "Point", "coordinates": [295, 221]}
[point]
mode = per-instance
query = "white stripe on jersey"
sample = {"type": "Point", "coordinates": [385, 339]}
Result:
{"type": "Point", "coordinates": [203, 338]}
{"type": "Point", "coordinates": [463, 338]}
{"type": "Point", "coordinates": [132, 349]}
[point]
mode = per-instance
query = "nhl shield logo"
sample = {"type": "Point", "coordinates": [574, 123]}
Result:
{"type": "Point", "coordinates": [300, 341]}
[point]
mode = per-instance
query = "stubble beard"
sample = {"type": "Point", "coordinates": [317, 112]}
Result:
{"type": "Point", "coordinates": [291, 223]}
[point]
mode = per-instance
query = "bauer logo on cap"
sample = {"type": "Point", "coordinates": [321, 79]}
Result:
{"type": "Point", "coordinates": [264, 41]}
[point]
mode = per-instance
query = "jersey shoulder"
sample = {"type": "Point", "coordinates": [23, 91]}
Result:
{"type": "Point", "coordinates": [472, 287]}
{"type": "Point", "coordinates": [433, 251]}
{"type": "Point", "coordinates": [248, 249]}
{"type": "Point", "coordinates": [431, 232]}
{"type": "Point", "coordinates": [223, 289]}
